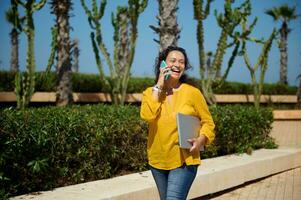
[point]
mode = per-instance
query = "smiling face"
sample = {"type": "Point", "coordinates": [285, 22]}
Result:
{"type": "Point", "coordinates": [176, 60]}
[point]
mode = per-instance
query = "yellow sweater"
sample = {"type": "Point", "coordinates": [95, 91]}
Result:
{"type": "Point", "coordinates": [163, 145]}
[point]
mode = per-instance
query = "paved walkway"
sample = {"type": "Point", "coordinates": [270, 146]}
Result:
{"type": "Point", "coordinates": [215, 175]}
{"type": "Point", "coordinates": [282, 186]}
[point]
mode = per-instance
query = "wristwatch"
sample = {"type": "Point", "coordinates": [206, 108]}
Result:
{"type": "Point", "coordinates": [157, 88]}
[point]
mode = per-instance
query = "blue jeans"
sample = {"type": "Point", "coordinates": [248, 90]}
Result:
{"type": "Point", "coordinates": [174, 184]}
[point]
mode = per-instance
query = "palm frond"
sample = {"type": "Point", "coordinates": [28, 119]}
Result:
{"type": "Point", "coordinates": [12, 16]}
{"type": "Point", "coordinates": [283, 12]}
{"type": "Point", "coordinates": [273, 13]}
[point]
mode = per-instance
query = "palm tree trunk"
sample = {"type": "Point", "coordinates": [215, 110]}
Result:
{"type": "Point", "coordinates": [123, 54]}
{"type": "Point", "coordinates": [168, 29]}
{"type": "Point", "coordinates": [14, 61]}
{"type": "Point", "coordinates": [299, 94]}
{"type": "Point", "coordinates": [283, 53]}
{"type": "Point", "coordinates": [169, 34]}
{"type": "Point", "coordinates": [64, 85]}
{"type": "Point", "coordinates": [75, 53]}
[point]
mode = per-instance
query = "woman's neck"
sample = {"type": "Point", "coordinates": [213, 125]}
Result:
{"type": "Point", "coordinates": [172, 84]}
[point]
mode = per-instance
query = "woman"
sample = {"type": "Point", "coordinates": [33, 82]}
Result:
{"type": "Point", "coordinates": [172, 167]}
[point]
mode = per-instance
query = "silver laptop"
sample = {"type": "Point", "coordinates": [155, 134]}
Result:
{"type": "Point", "coordinates": [188, 128]}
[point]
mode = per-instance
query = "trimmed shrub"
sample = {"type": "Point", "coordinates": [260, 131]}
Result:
{"type": "Point", "coordinates": [241, 129]}
{"type": "Point", "coordinates": [48, 147]}
{"type": "Point", "coordinates": [87, 83]}
{"type": "Point", "coordinates": [233, 88]}
{"type": "Point", "coordinates": [45, 82]}
{"type": "Point", "coordinates": [139, 84]}
{"type": "Point", "coordinates": [7, 81]}
{"type": "Point", "coordinates": [278, 88]}
{"type": "Point", "coordinates": [91, 83]}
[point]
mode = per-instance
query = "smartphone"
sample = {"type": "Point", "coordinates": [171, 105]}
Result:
{"type": "Point", "coordinates": [163, 65]}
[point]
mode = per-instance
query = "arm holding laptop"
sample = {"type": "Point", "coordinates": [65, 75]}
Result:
{"type": "Point", "coordinates": [197, 143]}
{"type": "Point", "coordinates": [206, 134]}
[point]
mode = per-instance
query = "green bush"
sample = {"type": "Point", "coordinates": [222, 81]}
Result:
{"type": "Point", "coordinates": [244, 88]}
{"type": "Point", "coordinates": [241, 129]}
{"type": "Point", "coordinates": [139, 84]}
{"type": "Point", "coordinates": [45, 82]}
{"type": "Point", "coordinates": [87, 83]}
{"type": "Point", "coordinates": [43, 148]}
{"type": "Point", "coordinates": [278, 88]}
{"type": "Point", "coordinates": [233, 88]}
{"type": "Point", "coordinates": [7, 81]}
{"type": "Point", "coordinates": [91, 83]}
{"type": "Point", "coordinates": [47, 147]}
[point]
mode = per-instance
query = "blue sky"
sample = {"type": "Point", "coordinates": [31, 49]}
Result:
{"type": "Point", "coordinates": [147, 49]}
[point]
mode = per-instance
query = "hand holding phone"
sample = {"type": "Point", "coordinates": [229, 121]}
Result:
{"type": "Point", "coordinates": [163, 65]}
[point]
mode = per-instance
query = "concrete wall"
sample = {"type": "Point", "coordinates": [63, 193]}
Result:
{"type": "Point", "coordinates": [287, 132]}
{"type": "Point", "coordinates": [287, 128]}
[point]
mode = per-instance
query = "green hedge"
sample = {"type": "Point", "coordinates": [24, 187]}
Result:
{"type": "Point", "coordinates": [92, 83]}
{"type": "Point", "coordinates": [242, 128]}
{"type": "Point", "coordinates": [43, 148]}
{"type": "Point", "coordinates": [47, 147]}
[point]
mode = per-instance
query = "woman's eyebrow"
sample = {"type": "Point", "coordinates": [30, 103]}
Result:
{"type": "Point", "coordinates": [174, 58]}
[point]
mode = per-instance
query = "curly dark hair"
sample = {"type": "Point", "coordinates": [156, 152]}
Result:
{"type": "Point", "coordinates": [163, 55]}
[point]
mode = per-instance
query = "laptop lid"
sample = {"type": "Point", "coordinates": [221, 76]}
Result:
{"type": "Point", "coordinates": [188, 128]}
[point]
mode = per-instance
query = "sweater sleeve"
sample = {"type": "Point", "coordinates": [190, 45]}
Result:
{"type": "Point", "coordinates": [207, 124]}
{"type": "Point", "coordinates": [150, 108]}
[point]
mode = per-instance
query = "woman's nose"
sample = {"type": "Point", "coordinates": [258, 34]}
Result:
{"type": "Point", "coordinates": [176, 64]}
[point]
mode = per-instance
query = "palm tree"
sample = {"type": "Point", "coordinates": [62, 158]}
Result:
{"type": "Point", "coordinates": [168, 30]}
{"type": "Point", "coordinates": [75, 54]}
{"type": "Point", "coordinates": [12, 17]}
{"type": "Point", "coordinates": [285, 14]}
{"type": "Point", "coordinates": [61, 9]}
{"type": "Point", "coordinates": [299, 93]}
